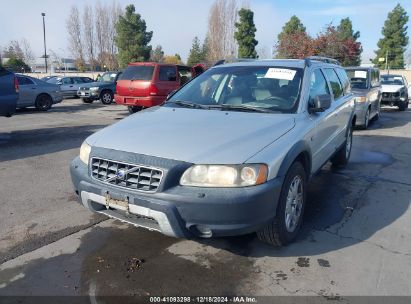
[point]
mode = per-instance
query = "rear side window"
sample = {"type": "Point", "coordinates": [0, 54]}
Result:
{"type": "Point", "coordinates": [335, 83]}
{"type": "Point", "coordinates": [24, 81]}
{"type": "Point", "coordinates": [167, 73]}
{"type": "Point", "coordinates": [137, 73]}
{"type": "Point", "coordinates": [318, 86]}
{"type": "Point", "coordinates": [78, 80]}
{"type": "Point", "coordinates": [375, 77]}
{"type": "Point", "coordinates": [344, 80]}
{"type": "Point", "coordinates": [67, 81]}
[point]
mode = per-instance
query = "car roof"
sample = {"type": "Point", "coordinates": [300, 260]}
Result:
{"type": "Point", "coordinates": [292, 63]}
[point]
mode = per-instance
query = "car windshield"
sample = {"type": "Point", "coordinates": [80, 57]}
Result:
{"type": "Point", "coordinates": [108, 77]}
{"type": "Point", "coordinates": [392, 79]}
{"type": "Point", "coordinates": [243, 87]}
{"type": "Point", "coordinates": [53, 80]}
{"type": "Point", "coordinates": [358, 78]}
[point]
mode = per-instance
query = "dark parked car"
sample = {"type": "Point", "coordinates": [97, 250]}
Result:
{"type": "Point", "coordinates": [104, 89]}
{"type": "Point", "coordinates": [69, 85]}
{"type": "Point", "coordinates": [37, 93]}
{"type": "Point", "coordinates": [365, 84]}
{"type": "Point", "coordinates": [9, 92]}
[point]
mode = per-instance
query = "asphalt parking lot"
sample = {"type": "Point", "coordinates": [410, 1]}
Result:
{"type": "Point", "coordinates": [356, 236]}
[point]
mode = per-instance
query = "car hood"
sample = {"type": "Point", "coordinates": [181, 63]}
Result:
{"type": "Point", "coordinates": [194, 135]}
{"type": "Point", "coordinates": [391, 88]}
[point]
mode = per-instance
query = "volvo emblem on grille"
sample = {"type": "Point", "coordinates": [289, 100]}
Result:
{"type": "Point", "coordinates": [121, 174]}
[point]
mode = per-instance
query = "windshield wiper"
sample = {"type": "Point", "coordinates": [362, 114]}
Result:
{"type": "Point", "coordinates": [228, 107]}
{"type": "Point", "coordinates": [188, 104]}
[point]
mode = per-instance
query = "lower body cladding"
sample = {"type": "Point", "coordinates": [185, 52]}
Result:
{"type": "Point", "coordinates": [180, 211]}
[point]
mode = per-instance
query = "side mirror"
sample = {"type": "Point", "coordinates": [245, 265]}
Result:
{"type": "Point", "coordinates": [59, 82]}
{"type": "Point", "coordinates": [171, 94]}
{"type": "Point", "coordinates": [320, 104]}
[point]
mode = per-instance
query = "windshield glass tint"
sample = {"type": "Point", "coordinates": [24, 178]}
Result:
{"type": "Point", "coordinates": [138, 73]}
{"type": "Point", "coordinates": [358, 78]}
{"type": "Point", "coordinates": [391, 79]}
{"type": "Point", "coordinates": [274, 88]}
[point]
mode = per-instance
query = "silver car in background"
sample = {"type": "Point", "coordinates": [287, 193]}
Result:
{"type": "Point", "coordinates": [365, 84]}
{"type": "Point", "coordinates": [37, 93]}
{"type": "Point", "coordinates": [394, 91]}
{"type": "Point", "coordinates": [69, 85]}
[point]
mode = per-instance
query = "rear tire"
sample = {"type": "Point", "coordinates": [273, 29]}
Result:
{"type": "Point", "coordinates": [341, 158]}
{"type": "Point", "coordinates": [87, 100]}
{"type": "Point", "coordinates": [43, 102]}
{"type": "Point", "coordinates": [106, 97]}
{"type": "Point", "coordinates": [134, 109]}
{"type": "Point", "coordinates": [290, 210]}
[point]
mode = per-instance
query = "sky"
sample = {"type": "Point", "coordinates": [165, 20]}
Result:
{"type": "Point", "coordinates": [175, 23]}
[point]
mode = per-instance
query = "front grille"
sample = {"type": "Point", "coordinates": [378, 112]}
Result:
{"type": "Point", "coordinates": [124, 175]}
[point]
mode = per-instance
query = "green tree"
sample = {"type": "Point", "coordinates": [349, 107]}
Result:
{"type": "Point", "coordinates": [346, 34]}
{"type": "Point", "coordinates": [394, 39]}
{"type": "Point", "coordinates": [157, 55]}
{"type": "Point", "coordinates": [293, 26]}
{"type": "Point", "coordinates": [17, 65]}
{"type": "Point", "coordinates": [245, 34]}
{"type": "Point", "coordinates": [197, 53]}
{"type": "Point", "coordinates": [132, 37]}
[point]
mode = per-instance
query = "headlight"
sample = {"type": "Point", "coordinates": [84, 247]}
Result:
{"type": "Point", "coordinates": [85, 152]}
{"type": "Point", "coordinates": [94, 89]}
{"type": "Point", "coordinates": [361, 99]}
{"type": "Point", "coordinates": [224, 175]}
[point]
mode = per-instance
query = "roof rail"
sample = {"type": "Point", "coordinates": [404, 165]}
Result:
{"type": "Point", "coordinates": [232, 60]}
{"type": "Point", "coordinates": [323, 59]}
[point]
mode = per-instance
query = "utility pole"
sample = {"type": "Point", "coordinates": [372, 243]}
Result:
{"type": "Point", "coordinates": [386, 61]}
{"type": "Point", "coordinates": [44, 36]}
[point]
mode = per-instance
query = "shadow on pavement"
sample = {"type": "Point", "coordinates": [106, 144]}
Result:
{"type": "Point", "coordinates": [28, 143]}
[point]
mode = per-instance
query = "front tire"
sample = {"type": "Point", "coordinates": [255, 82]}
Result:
{"type": "Point", "coordinates": [343, 155]}
{"type": "Point", "coordinates": [288, 219]}
{"type": "Point", "coordinates": [106, 97]}
{"type": "Point", "coordinates": [87, 100]}
{"type": "Point", "coordinates": [43, 102]}
{"type": "Point", "coordinates": [366, 119]}
{"type": "Point", "coordinates": [403, 106]}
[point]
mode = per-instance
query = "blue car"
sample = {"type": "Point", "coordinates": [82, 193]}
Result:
{"type": "Point", "coordinates": [9, 92]}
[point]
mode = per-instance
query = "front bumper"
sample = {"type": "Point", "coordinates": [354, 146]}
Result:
{"type": "Point", "coordinates": [360, 111]}
{"type": "Point", "coordinates": [183, 211]}
{"type": "Point", "coordinates": [392, 99]}
{"type": "Point", "coordinates": [94, 95]}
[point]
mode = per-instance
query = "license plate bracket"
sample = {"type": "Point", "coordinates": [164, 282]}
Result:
{"type": "Point", "coordinates": [117, 204]}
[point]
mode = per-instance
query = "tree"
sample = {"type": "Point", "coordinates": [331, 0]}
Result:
{"type": "Point", "coordinates": [245, 34]}
{"type": "Point", "coordinates": [76, 46]}
{"type": "Point", "coordinates": [287, 48]}
{"type": "Point", "coordinates": [132, 37]}
{"type": "Point", "coordinates": [13, 50]}
{"type": "Point", "coordinates": [293, 26]}
{"type": "Point", "coordinates": [346, 34]}
{"type": "Point", "coordinates": [221, 27]}
{"type": "Point", "coordinates": [88, 35]}
{"type": "Point", "coordinates": [197, 54]}
{"type": "Point", "coordinates": [27, 51]}
{"type": "Point", "coordinates": [157, 55]}
{"type": "Point", "coordinates": [17, 65]}
{"type": "Point", "coordinates": [394, 39]}
{"type": "Point", "coordinates": [176, 59]}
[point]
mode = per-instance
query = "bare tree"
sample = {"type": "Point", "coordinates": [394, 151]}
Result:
{"type": "Point", "coordinates": [13, 50]}
{"type": "Point", "coordinates": [221, 28]}
{"type": "Point", "coordinates": [88, 35]}
{"type": "Point", "coordinates": [27, 51]}
{"type": "Point", "coordinates": [75, 37]}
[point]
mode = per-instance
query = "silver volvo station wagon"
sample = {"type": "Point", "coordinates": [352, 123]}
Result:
{"type": "Point", "coordinates": [229, 153]}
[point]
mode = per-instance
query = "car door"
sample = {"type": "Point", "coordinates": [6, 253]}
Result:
{"type": "Point", "coordinates": [168, 79]}
{"type": "Point", "coordinates": [67, 87]}
{"type": "Point", "coordinates": [340, 106]}
{"type": "Point", "coordinates": [77, 82]}
{"type": "Point", "coordinates": [28, 92]}
{"type": "Point", "coordinates": [323, 130]}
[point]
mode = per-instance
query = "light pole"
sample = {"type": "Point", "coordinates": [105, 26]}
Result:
{"type": "Point", "coordinates": [44, 36]}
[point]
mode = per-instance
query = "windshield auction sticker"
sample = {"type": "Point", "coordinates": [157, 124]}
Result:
{"type": "Point", "coordinates": [284, 74]}
{"type": "Point", "coordinates": [360, 74]}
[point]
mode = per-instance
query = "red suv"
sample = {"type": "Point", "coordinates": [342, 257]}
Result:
{"type": "Point", "coordinates": [147, 84]}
